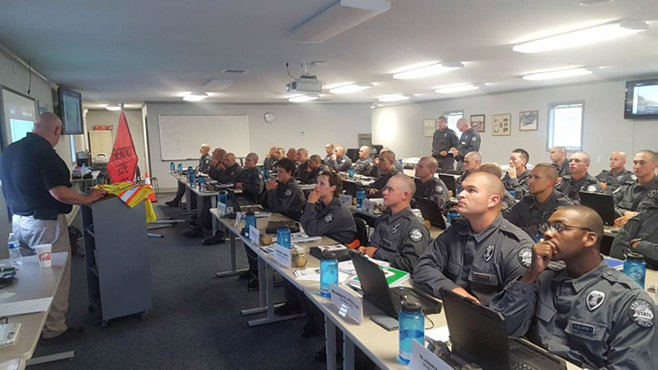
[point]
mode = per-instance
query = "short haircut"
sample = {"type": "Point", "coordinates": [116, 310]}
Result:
{"type": "Point", "coordinates": [334, 180]}
{"type": "Point", "coordinates": [523, 153]}
{"type": "Point", "coordinates": [315, 158]}
{"type": "Point", "coordinates": [587, 158]}
{"type": "Point", "coordinates": [303, 151]}
{"type": "Point", "coordinates": [589, 219]}
{"type": "Point", "coordinates": [205, 146]}
{"type": "Point", "coordinates": [407, 182]}
{"type": "Point", "coordinates": [492, 182]}
{"type": "Point", "coordinates": [547, 169]}
{"type": "Point", "coordinates": [287, 164]}
{"type": "Point", "coordinates": [388, 154]}
{"type": "Point", "coordinates": [653, 156]}
{"type": "Point", "coordinates": [492, 168]}
{"type": "Point", "coordinates": [560, 149]}
{"type": "Point", "coordinates": [474, 155]}
{"type": "Point", "coordinates": [442, 118]}
{"type": "Point", "coordinates": [432, 164]}
{"type": "Point", "coordinates": [365, 148]}
{"type": "Point", "coordinates": [281, 150]}
{"type": "Point", "coordinates": [253, 156]}
{"type": "Point", "coordinates": [230, 155]}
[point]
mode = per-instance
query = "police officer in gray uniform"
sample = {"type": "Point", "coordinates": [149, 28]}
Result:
{"type": "Point", "coordinates": [617, 175]}
{"type": "Point", "coordinates": [284, 196]}
{"type": "Point", "coordinates": [477, 256]}
{"type": "Point", "coordinates": [558, 155]}
{"type": "Point", "coordinates": [339, 162]}
{"type": "Point", "coordinates": [400, 236]}
{"type": "Point", "coordinates": [250, 180]}
{"type": "Point", "coordinates": [310, 173]}
{"type": "Point", "coordinates": [639, 192]}
{"type": "Point", "coordinates": [579, 180]}
{"type": "Point", "coordinates": [516, 178]}
{"type": "Point", "coordinates": [639, 235]}
{"type": "Point", "coordinates": [231, 170]}
{"type": "Point", "coordinates": [588, 313]}
{"type": "Point", "coordinates": [535, 208]}
{"type": "Point", "coordinates": [386, 166]}
{"type": "Point", "coordinates": [428, 186]}
{"type": "Point", "coordinates": [363, 165]}
{"type": "Point", "coordinates": [468, 142]}
{"type": "Point", "coordinates": [444, 139]}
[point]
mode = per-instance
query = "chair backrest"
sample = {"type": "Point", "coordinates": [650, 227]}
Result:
{"type": "Point", "coordinates": [352, 154]}
{"type": "Point", "coordinates": [361, 230]}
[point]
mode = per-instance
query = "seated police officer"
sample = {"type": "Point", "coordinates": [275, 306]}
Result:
{"type": "Point", "coordinates": [284, 195]}
{"type": "Point", "coordinates": [588, 313]}
{"type": "Point", "coordinates": [363, 165]}
{"type": "Point", "coordinates": [579, 179]}
{"type": "Point", "coordinates": [400, 236]}
{"type": "Point", "coordinates": [270, 158]}
{"type": "Point", "coordinates": [480, 254]}
{"type": "Point", "coordinates": [302, 162]}
{"type": "Point", "coordinates": [386, 165]}
{"type": "Point", "coordinates": [516, 178]}
{"type": "Point", "coordinates": [311, 171]}
{"type": "Point", "coordinates": [617, 175]}
{"type": "Point", "coordinates": [339, 162]}
{"type": "Point", "coordinates": [508, 201]}
{"type": "Point", "coordinates": [639, 192]}
{"type": "Point", "coordinates": [558, 155]}
{"type": "Point", "coordinates": [472, 163]}
{"type": "Point", "coordinates": [250, 181]}
{"type": "Point", "coordinates": [536, 207]}
{"type": "Point", "coordinates": [203, 167]}
{"type": "Point", "coordinates": [428, 186]}
{"type": "Point", "coordinates": [639, 235]}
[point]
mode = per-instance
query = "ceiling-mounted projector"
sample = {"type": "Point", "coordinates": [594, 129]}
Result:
{"type": "Point", "coordinates": [306, 83]}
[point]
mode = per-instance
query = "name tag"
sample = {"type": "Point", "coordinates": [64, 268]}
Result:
{"type": "Point", "coordinates": [348, 304]}
{"type": "Point", "coordinates": [345, 200]}
{"type": "Point", "coordinates": [481, 277]}
{"type": "Point", "coordinates": [282, 256]}
{"type": "Point", "coordinates": [254, 235]}
{"type": "Point", "coordinates": [423, 359]}
{"type": "Point", "coordinates": [582, 328]}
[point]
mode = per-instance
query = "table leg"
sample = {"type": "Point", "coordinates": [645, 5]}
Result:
{"type": "Point", "coordinates": [330, 343]}
{"type": "Point", "coordinates": [269, 287]}
{"type": "Point", "coordinates": [262, 294]}
{"type": "Point", "coordinates": [50, 358]}
{"type": "Point", "coordinates": [348, 353]}
{"type": "Point", "coordinates": [233, 271]}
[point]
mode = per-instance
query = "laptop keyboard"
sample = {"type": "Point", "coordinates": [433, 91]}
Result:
{"type": "Point", "coordinates": [518, 365]}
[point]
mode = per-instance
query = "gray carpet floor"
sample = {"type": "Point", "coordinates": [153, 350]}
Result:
{"type": "Point", "coordinates": [195, 322]}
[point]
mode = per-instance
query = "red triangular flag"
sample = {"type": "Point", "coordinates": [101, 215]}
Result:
{"type": "Point", "coordinates": [123, 160]}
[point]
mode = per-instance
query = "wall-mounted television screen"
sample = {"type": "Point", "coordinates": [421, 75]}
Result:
{"type": "Point", "coordinates": [19, 112]}
{"type": "Point", "coordinates": [70, 111]}
{"type": "Point", "coordinates": [641, 99]}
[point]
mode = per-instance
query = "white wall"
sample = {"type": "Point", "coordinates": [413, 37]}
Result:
{"type": "Point", "coordinates": [321, 123]}
{"type": "Point", "coordinates": [605, 130]}
{"type": "Point", "coordinates": [135, 124]}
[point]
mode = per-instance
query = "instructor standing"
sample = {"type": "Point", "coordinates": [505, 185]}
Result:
{"type": "Point", "coordinates": [444, 139]}
{"type": "Point", "coordinates": [36, 185]}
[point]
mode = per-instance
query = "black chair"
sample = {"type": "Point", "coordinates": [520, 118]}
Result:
{"type": "Point", "coordinates": [361, 231]}
{"type": "Point", "coordinates": [377, 149]}
{"type": "Point", "coordinates": [352, 154]}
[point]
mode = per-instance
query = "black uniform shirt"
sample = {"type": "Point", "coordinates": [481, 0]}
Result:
{"type": "Point", "coordinates": [381, 181]}
{"type": "Point", "coordinates": [340, 164]}
{"type": "Point", "coordinates": [528, 214]}
{"type": "Point", "coordinates": [204, 164]}
{"type": "Point", "coordinates": [644, 227]}
{"type": "Point", "coordinates": [334, 221]}
{"type": "Point", "coordinates": [230, 174]}
{"type": "Point", "coordinates": [434, 190]}
{"type": "Point", "coordinates": [363, 166]}
{"type": "Point", "coordinates": [562, 169]}
{"type": "Point", "coordinates": [252, 183]}
{"type": "Point", "coordinates": [30, 168]}
{"type": "Point", "coordinates": [571, 188]}
{"type": "Point", "coordinates": [614, 180]}
{"type": "Point", "coordinates": [443, 140]}
{"type": "Point", "coordinates": [518, 184]}
{"type": "Point", "coordinates": [631, 196]}
{"type": "Point", "coordinates": [469, 142]}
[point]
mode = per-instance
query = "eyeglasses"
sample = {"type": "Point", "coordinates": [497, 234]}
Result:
{"type": "Point", "coordinates": [559, 227]}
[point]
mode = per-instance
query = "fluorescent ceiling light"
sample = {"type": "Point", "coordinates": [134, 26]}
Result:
{"type": "Point", "coordinates": [113, 107]}
{"type": "Point", "coordinates": [563, 73]}
{"type": "Point", "coordinates": [392, 98]}
{"type": "Point", "coordinates": [456, 88]}
{"type": "Point", "coordinates": [586, 36]}
{"type": "Point", "coordinates": [428, 70]}
{"type": "Point", "coordinates": [594, 2]}
{"type": "Point", "coordinates": [351, 88]}
{"type": "Point", "coordinates": [336, 19]}
{"type": "Point", "coordinates": [303, 98]}
{"type": "Point", "coordinates": [195, 96]}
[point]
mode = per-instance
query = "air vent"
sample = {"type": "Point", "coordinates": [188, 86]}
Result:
{"type": "Point", "coordinates": [235, 71]}
{"type": "Point", "coordinates": [217, 85]}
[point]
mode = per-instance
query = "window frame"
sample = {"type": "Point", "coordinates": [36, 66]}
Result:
{"type": "Point", "coordinates": [449, 113]}
{"type": "Point", "coordinates": [550, 142]}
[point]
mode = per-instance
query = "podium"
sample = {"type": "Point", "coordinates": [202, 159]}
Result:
{"type": "Point", "coordinates": [118, 265]}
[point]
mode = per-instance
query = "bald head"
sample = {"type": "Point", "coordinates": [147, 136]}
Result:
{"type": "Point", "coordinates": [364, 152]}
{"type": "Point", "coordinates": [463, 124]}
{"type": "Point", "coordinates": [472, 161]}
{"type": "Point", "coordinates": [340, 151]}
{"type": "Point", "coordinates": [398, 192]}
{"type": "Point", "coordinates": [229, 159]}
{"type": "Point", "coordinates": [48, 126]}
{"type": "Point", "coordinates": [405, 183]}
{"type": "Point", "coordinates": [617, 161]}
{"type": "Point", "coordinates": [490, 182]}
{"type": "Point", "coordinates": [251, 160]}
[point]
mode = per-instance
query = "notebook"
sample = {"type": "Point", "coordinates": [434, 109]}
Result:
{"type": "Point", "coordinates": [9, 333]}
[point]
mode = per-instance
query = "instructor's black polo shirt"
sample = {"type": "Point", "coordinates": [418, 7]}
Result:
{"type": "Point", "coordinates": [29, 168]}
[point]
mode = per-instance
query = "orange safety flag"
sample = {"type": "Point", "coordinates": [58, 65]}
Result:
{"type": "Point", "coordinates": [123, 161]}
{"type": "Point", "coordinates": [132, 194]}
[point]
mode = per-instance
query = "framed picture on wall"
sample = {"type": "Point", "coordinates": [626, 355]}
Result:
{"type": "Point", "coordinates": [528, 120]}
{"type": "Point", "coordinates": [429, 126]}
{"type": "Point", "coordinates": [477, 122]}
{"type": "Point", "coordinates": [501, 124]}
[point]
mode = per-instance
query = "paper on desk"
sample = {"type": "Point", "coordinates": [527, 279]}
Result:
{"type": "Point", "coordinates": [348, 266]}
{"type": "Point", "coordinates": [303, 238]}
{"type": "Point", "coordinates": [6, 295]}
{"type": "Point", "coordinates": [310, 274]}
{"type": "Point", "coordinates": [440, 334]}
{"type": "Point", "coordinates": [11, 364]}
{"type": "Point", "coordinates": [25, 307]}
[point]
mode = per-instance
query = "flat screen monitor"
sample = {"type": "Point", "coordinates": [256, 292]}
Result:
{"type": "Point", "coordinates": [70, 111]}
{"type": "Point", "coordinates": [19, 112]}
{"type": "Point", "coordinates": [641, 99]}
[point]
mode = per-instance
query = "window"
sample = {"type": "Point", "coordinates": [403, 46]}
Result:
{"type": "Point", "coordinates": [565, 125]}
{"type": "Point", "coordinates": [453, 117]}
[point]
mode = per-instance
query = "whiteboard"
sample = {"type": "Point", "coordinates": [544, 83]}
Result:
{"type": "Point", "coordinates": [181, 136]}
{"type": "Point", "coordinates": [19, 113]}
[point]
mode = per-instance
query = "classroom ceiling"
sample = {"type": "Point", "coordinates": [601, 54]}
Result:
{"type": "Point", "coordinates": [154, 50]}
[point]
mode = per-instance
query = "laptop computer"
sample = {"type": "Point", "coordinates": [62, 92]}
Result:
{"type": "Point", "coordinates": [431, 212]}
{"type": "Point", "coordinates": [477, 335]}
{"type": "Point", "coordinates": [387, 299]}
{"type": "Point", "coordinates": [450, 181]}
{"type": "Point", "coordinates": [602, 203]}
{"type": "Point", "coordinates": [350, 187]}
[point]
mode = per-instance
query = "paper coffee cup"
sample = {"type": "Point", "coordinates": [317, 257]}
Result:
{"type": "Point", "coordinates": [44, 253]}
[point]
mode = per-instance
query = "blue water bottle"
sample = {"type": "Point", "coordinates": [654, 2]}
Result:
{"type": "Point", "coordinates": [283, 237]}
{"type": "Point", "coordinates": [412, 327]}
{"type": "Point", "coordinates": [539, 236]}
{"type": "Point", "coordinates": [249, 222]}
{"type": "Point", "coordinates": [180, 167]}
{"type": "Point", "coordinates": [452, 216]}
{"type": "Point", "coordinates": [350, 172]}
{"type": "Point", "coordinates": [328, 273]}
{"type": "Point", "coordinates": [635, 267]}
{"type": "Point", "coordinates": [266, 174]}
{"type": "Point", "coordinates": [172, 167]}
{"type": "Point", "coordinates": [360, 196]}
{"type": "Point", "coordinates": [222, 197]}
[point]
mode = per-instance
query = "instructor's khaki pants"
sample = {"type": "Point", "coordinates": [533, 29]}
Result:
{"type": "Point", "coordinates": [31, 232]}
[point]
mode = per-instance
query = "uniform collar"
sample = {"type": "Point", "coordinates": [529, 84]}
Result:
{"type": "Point", "coordinates": [496, 224]}
{"type": "Point", "coordinates": [550, 200]}
{"type": "Point", "coordinates": [584, 281]}
{"type": "Point", "coordinates": [36, 137]}
{"type": "Point", "coordinates": [394, 217]}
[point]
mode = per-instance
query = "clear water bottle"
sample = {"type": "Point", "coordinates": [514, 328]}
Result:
{"type": "Point", "coordinates": [635, 267]}
{"type": "Point", "coordinates": [249, 222]}
{"type": "Point", "coordinates": [172, 167]}
{"type": "Point", "coordinates": [360, 196]}
{"type": "Point", "coordinates": [328, 273]}
{"type": "Point", "coordinates": [14, 251]}
{"type": "Point", "coordinates": [412, 327]}
{"type": "Point", "coordinates": [283, 237]}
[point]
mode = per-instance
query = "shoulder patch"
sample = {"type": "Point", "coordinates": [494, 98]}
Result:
{"type": "Point", "coordinates": [591, 189]}
{"type": "Point", "coordinates": [473, 138]}
{"type": "Point", "coordinates": [288, 192]}
{"type": "Point", "coordinates": [439, 189]}
{"type": "Point", "coordinates": [525, 257]}
{"type": "Point", "coordinates": [329, 218]}
{"type": "Point", "coordinates": [595, 299]}
{"type": "Point", "coordinates": [415, 234]}
{"type": "Point", "coordinates": [488, 253]}
{"type": "Point", "coordinates": [652, 194]}
{"type": "Point", "coordinates": [641, 312]}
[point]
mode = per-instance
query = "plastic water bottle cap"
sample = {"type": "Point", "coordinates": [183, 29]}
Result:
{"type": "Point", "coordinates": [634, 256]}
{"type": "Point", "coordinates": [328, 256]}
{"type": "Point", "coordinates": [411, 306]}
